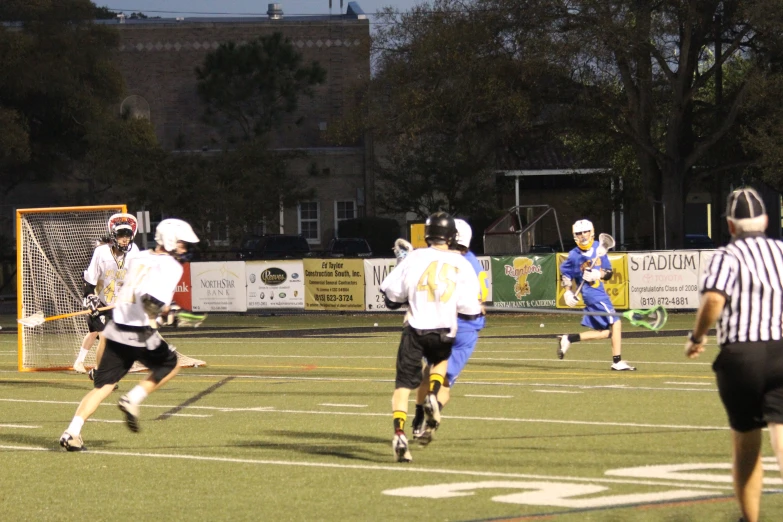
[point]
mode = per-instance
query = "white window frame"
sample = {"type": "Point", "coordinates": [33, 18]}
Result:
{"type": "Point", "coordinates": [337, 219]}
{"type": "Point", "coordinates": [317, 220]}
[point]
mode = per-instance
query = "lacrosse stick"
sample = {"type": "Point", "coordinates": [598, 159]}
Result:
{"type": "Point", "coordinates": [605, 243]}
{"type": "Point", "coordinates": [652, 318]}
{"type": "Point", "coordinates": [38, 318]}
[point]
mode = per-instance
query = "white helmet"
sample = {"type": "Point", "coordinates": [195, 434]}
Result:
{"type": "Point", "coordinates": [170, 231]}
{"type": "Point", "coordinates": [124, 225]}
{"type": "Point", "coordinates": [584, 242]}
{"type": "Point", "coordinates": [464, 233]}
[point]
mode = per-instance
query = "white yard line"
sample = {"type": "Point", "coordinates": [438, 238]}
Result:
{"type": "Point", "coordinates": [331, 405]}
{"type": "Point", "coordinates": [20, 426]}
{"type": "Point", "coordinates": [380, 467]}
{"type": "Point", "coordinates": [491, 396]}
{"type": "Point", "coordinates": [271, 409]}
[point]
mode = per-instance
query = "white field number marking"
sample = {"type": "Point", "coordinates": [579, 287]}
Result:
{"type": "Point", "coordinates": [537, 493]}
{"type": "Point", "coordinates": [565, 494]}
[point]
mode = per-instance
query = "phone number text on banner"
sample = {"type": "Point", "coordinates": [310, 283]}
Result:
{"type": "Point", "coordinates": [669, 279]}
{"type": "Point", "coordinates": [334, 284]}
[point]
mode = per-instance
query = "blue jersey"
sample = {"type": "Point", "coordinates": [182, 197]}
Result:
{"type": "Point", "coordinates": [475, 324]}
{"type": "Point", "coordinates": [572, 268]}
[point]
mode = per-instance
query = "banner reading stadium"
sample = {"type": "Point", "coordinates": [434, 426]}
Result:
{"type": "Point", "coordinates": [334, 284]}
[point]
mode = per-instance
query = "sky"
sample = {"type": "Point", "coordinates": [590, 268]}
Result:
{"type": "Point", "coordinates": [186, 8]}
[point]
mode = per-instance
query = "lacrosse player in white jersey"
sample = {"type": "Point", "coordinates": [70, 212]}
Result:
{"type": "Point", "coordinates": [144, 303]}
{"type": "Point", "coordinates": [104, 277]}
{"type": "Point", "coordinates": [437, 284]}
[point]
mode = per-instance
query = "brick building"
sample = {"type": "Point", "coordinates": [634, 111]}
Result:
{"type": "Point", "coordinates": [158, 58]}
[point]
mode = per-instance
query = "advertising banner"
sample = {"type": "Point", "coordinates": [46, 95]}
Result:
{"type": "Point", "coordinates": [666, 278]}
{"type": "Point", "coordinates": [218, 286]}
{"type": "Point", "coordinates": [275, 284]}
{"type": "Point", "coordinates": [182, 295]}
{"type": "Point", "coordinates": [704, 260]}
{"type": "Point", "coordinates": [617, 287]}
{"type": "Point", "coordinates": [524, 281]}
{"type": "Point", "coordinates": [334, 284]}
{"type": "Point", "coordinates": [486, 264]}
{"type": "Point", "coordinates": [375, 271]}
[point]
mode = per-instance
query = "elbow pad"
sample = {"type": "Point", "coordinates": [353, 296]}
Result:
{"type": "Point", "coordinates": [391, 305]}
{"type": "Point", "coordinates": [88, 289]}
{"type": "Point", "coordinates": [607, 274]}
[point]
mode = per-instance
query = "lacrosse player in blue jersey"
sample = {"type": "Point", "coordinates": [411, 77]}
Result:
{"type": "Point", "coordinates": [468, 328]}
{"type": "Point", "coordinates": [583, 267]}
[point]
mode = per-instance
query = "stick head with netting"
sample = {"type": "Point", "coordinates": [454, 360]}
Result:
{"type": "Point", "coordinates": [605, 243]}
{"type": "Point", "coordinates": [653, 318]}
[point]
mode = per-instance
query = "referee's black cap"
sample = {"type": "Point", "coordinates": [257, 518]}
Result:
{"type": "Point", "coordinates": [745, 203]}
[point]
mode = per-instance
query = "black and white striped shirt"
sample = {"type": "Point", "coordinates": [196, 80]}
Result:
{"type": "Point", "coordinates": [749, 273]}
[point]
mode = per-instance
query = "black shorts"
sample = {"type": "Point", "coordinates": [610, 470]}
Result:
{"type": "Point", "coordinates": [97, 324]}
{"type": "Point", "coordinates": [415, 344]}
{"type": "Point", "coordinates": [118, 358]}
{"type": "Point", "coordinates": [750, 383]}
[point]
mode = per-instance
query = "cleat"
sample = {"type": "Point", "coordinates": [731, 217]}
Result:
{"type": "Point", "coordinates": [400, 447]}
{"type": "Point", "coordinates": [563, 347]}
{"type": "Point", "coordinates": [71, 443]}
{"type": "Point", "coordinates": [131, 412]}
{"type": "Point", "coordinates": [623, 366]}
{"type": "Point", "coordinates": [431, 412]}
{"type": "Point", "coordinates": [78, 367]}
{"type": "Point", "coordinates": [426, 437]}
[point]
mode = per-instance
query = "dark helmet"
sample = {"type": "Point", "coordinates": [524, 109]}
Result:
{"type": "Point", "coordinates": [440, 228]}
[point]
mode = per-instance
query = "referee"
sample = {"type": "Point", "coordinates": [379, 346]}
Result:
{"type": "Point", "coordinates": [742, 290]}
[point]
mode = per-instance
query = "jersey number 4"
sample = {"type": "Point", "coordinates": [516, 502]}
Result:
{"type": "Point", "coordinates": [431, 278]}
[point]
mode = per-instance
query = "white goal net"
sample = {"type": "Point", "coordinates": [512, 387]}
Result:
{"type": "Point", "coordinates": [54, 246]}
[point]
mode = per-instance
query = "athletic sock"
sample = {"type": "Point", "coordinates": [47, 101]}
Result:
{"type": "Point", "coordinates": [82, 355]}
{"type": "Point", "coordinates": [574, 338]}
{"type": "Point", "coordinates": [75, 427]}
{"type": "Point", "coordinates": [418, 418]}
{"type": "Point", "coordinates": [617, 358]}
{"type": "Point", "coordinates": [136, 395]}
{"type": "Point", "coordinates": [436, 381]}
{"type": "Point", "coordinates": [399, 421]}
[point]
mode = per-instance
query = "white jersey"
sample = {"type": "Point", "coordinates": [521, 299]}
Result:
{"type": "Point", "coordinates": [107, 271]}
{"type": "Point", "coordinates": [156, 275]}
{"type": "Point", "coordinates": [437, 284]}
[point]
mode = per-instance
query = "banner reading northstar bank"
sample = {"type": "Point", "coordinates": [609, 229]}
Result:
{"type": "Point", "coordinates": [218, 286]}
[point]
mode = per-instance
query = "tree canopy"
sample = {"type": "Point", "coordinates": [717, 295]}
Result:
{"type": "Point", "coordinates": [671, 94]}
{"type": "Point", "coordinates": [252, 86]}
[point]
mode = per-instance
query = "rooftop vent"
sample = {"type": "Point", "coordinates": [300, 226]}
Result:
{"type": "Point", "coordinates": [275, 12]}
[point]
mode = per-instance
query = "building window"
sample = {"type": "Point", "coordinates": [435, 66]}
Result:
{"type": "Point", "coordinates": [343, 210]}
{"type": "Point", "coordinates": [308, 221]}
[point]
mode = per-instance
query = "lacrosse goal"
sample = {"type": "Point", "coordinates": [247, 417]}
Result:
{"type": "Point", "coordinates": [53, 247]}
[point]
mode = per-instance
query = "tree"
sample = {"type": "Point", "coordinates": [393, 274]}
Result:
{"type": "Point", "coordinates": [57, 80]}
{"type": "Point", "coordinates": [448, 103]}
{"type": "Point", "coordinates": [235, 190]}
{"type": "Point", "coordinates": [251, 86]}
{"type": "Point", "coordinates": [652, 77]}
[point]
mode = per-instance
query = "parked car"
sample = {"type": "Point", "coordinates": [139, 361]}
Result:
{"type": "Point", "coordinates": [348, 247]}
{"type": "Point", "coordinates": [274, 246]}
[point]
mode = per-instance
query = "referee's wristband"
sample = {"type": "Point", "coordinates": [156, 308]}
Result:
{"type": "Point", "coordinates": [692, 339]}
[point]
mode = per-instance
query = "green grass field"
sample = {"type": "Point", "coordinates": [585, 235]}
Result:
{"type": "Point", "coordinates": [291, 420]}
